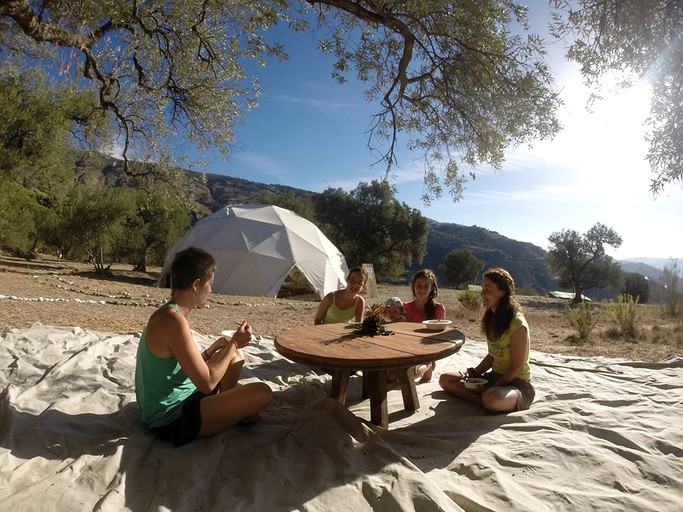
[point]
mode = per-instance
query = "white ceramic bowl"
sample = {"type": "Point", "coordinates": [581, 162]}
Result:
{"type": "Point", "coordinates": [436, 325]}
{"type": "Point", "coordinates": [475, 383]}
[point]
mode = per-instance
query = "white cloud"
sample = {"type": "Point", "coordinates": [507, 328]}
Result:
{"type": "Point", "coordinates": [314, 103]}
{"type": "Point", "coordinates": [263, 163]}
{"type": "Point", "coordinates": [114, 149]}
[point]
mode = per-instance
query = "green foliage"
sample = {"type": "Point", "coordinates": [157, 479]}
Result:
{"type": "Point", "coordinates": [155, 223]}
{"type": "Point", "coordinates": [461, 267]}
{"type": "Point", "coordinates": [303, 207]}
{"type": "Point", "coordinates": [624, 314]}
{"type": "Point", "coordinates": [155, 66]}
{"type": "Point", "coordinates": [580, 261]}
{"type": "Point", "coordinates": [636, 285]}
{"type": "Point", "coordinates": [634, 39]}
{"type": "Point", "coordinates": [93, 223]}
{"type": "Point", "coordinates": [460, 82]}
{"type": "Point", "coordinates": [470, 300]}
{"type": "Point", "coordinates": [583, 318]}
{"type": "Point", "coordinates": [38, 126]}
{"type": "Point", "coordinates": [526, 290]}
{"type": "Point", "coordinates": [670, 281]}
{"type": "Point", "coordinates": [527, 262]}
{"type": "Point", "coordinates": [370, 226]}
{"type": "Point", "coordinates": [18, 207]}
{"type": "Point", "coordinates": [38, 122]}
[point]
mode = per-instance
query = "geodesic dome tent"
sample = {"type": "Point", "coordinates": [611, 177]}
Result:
{"type": "Point", "coordinates": [259, 248]}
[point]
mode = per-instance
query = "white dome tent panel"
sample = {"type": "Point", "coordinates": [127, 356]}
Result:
{"type": "Point", "coordinates": [275, 245]}
{"type": "Point", "coordinates": [258, 248]}
{"type": "Point", "coordinates": [265, 275]}
{"type": "Point", "coordinates": [260, 214]}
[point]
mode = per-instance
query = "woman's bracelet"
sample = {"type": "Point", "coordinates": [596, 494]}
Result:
{"type": "Point", "coordinates": [232, 340]}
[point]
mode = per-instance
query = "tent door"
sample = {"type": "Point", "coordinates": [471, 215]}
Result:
{"type": "Point", "coordinates": [295, 284]}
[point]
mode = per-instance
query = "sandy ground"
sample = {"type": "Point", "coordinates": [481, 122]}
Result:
{"type": "Point", "coordinates": [61, 293]}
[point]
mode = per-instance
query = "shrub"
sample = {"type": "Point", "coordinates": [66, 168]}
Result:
{"type": "Point", "coordinates": [669, 281]}
{"type": "Point", "coordinates": [583, 318]}
{"type": "Point", "coordinates": [470, 300]}
{"type": "Point", "coordinates": [624, 314]}
{"type": "Point", "coordinates": [526, 290]}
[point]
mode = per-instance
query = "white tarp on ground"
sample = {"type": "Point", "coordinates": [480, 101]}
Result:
{"type": "Point", "coordinates": [602, 435]}
{"type": "Point", "coordinates": [257, 247]}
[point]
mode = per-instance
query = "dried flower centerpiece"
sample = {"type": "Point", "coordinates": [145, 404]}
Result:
{"type": "Point", "coordinates": [373, 324]}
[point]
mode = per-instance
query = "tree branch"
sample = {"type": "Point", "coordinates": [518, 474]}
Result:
{"type": "Point", "coordinates": [30, 23]}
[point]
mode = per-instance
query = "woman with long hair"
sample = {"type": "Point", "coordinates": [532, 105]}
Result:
{"type": "Point", "coordinates": [423, 307]}
{"type": "Point", "coordinates": [506, 366]}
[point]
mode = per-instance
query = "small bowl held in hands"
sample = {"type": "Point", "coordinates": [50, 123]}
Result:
{"type": "Point", "coordinates": [229, 333]}
{"type": "Point", "coordinates": [475, 383]}
{"type": "Point", "coordinates": [436, 325]}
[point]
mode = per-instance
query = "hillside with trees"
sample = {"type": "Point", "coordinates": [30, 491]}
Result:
{"type": "Point", "coordinates": [525, 261]}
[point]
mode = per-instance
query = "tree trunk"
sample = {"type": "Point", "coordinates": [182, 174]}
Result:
{"type": "Point", "coordinates": [577, 297]}
{"type": "Point", "coordinates": [141, 265]}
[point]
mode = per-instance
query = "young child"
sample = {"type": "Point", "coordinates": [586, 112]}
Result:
{"type": "Point", "coordinates": [393, 310]}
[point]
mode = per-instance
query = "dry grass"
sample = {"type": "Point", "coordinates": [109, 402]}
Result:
{"type": "Point", "coordinates": [122, 303]}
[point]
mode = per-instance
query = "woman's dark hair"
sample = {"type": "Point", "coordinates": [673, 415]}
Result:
{"type": "Point", "coordinates": [360, 271]}
{"type": "Point", "coordinates": [430, 306]}
{"type": "Point", "coordinates": [495, 323]}
{"type": "Point", "coordinates": [191, 264]}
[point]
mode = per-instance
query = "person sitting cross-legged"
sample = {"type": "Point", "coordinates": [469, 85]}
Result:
{"type": "Point", "coordinates": [183, 393]}
{"type": "Point", "coordinates": [506, 366]}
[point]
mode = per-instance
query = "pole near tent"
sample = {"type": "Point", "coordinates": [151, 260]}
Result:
{"type": "Point", "coordinates": [370, 280]}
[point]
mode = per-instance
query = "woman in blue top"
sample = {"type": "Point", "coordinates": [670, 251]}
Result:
{"type": "Point", "coordinates": [507, 333]}
{"type": "Point", "coordinates": [184, 393]}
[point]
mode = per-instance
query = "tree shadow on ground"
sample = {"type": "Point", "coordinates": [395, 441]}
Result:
{"type": "Point", "coordinates": [118, 276]}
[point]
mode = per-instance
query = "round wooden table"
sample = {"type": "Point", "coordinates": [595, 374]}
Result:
{"type": "Point", "coordinates": [339, 348]}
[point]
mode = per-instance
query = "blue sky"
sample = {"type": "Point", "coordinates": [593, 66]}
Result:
{"type": "Point", "coordinates": [309, 133]}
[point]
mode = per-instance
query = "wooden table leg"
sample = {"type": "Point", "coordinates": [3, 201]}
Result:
{"type": "Point", "coordinates": [410, 400]}
{"type": "Point", "coordinates": [377, 381]}
{"type": "Point", "coordinates": [340, 382]}
{"type": "Point", "coordinates": [366, 385]}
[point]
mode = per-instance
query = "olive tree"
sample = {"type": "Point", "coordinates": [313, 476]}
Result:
{"type": "Point", "coordinates": [580, 261]}
{"type": "Point", "coordinates": [93, 223]}
{"type": "Point", "coordinates": [458, 82]}
{"type": "Point", "coordinates": [39, 123]}
{"type": "Point", "coordinates": [636, 39]}
{"type": "Point", "coordinates": [670, 280]}
{"type": "Point", "coordinates": [636, 285]}
{"type": "Point", "coordinates": [461, 267]}
{"type": "Point", "coordinates": [369, 225]}
{"type": "Point", "coordinates": [156, 222]}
